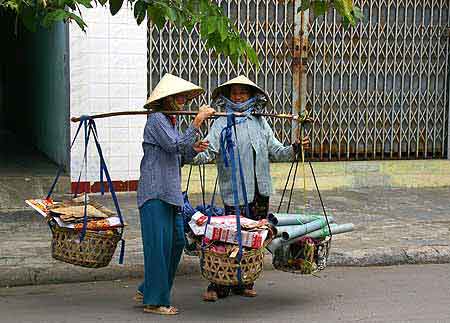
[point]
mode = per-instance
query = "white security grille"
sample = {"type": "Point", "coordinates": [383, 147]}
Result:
{"type": "Point", "coordinates": [380, 90]}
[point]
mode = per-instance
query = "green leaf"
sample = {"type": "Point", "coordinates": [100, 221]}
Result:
{"type": "Point", "coordinates": [140, 11]}
{"type": "Point", "coordinates": [222, 28]}
{"type": "Point", "coordinates": [304, 5]}
{"type": "Point", "coordinates": [115, 5]}
{"type": "Point", "coordinates": [357, 13]}
{"type": "Point", "coordinates": [171, 13]}
{"type": "Point", "coordinates": [234, 46]}
{"type": "Point", "coordinates": [204, 6]}
{"type": "Point", "coordinates": [252, 56]}
{"type": "Point", "coordinates": [28, 18]}
{"type": "Point", "coordinates": [345, 22]}
{"type": "Point", "coordinates": [85, 3]}
{"type": "Point", "coordinates": [189, 24]}
{"type": "Point", "coordinates": [345, 9]}
{"type": "Point", "coordinates": [211, 25]}
{"type": "Point", "coordinates": [12, 5]}
{"type": "Point", "coordinates": [156, 16]}
{"type": "Point", "coordinates": [102, 2]}
{"type": "Point", "coordinates": [78, 20]}
{"type": "Point", "coordinates": [320, 7]}
{"type": "Point", "coordinates": [234, 59]}
{"type": "Point", "coordinates": [54, 16]}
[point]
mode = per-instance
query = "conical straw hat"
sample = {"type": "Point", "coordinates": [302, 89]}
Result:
{"type": "Point", "coordinates": [241, 79]}
{"type": "Point", "coordinates": [171, 85]}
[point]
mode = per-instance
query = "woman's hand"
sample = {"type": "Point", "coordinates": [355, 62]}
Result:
{"type": "Point", "coordinates": [203, 113]}
{"type": "Point", "coordinates": [305, 144]}
{"type": "Point", "coordinates": [201, 146]}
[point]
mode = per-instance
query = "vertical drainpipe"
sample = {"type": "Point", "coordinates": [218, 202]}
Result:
{"type": "Point", "coordinates": [299, 55]}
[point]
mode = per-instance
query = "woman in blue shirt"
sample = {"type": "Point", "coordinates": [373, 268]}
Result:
{"type": "Point", "coordinates": [159, 191]}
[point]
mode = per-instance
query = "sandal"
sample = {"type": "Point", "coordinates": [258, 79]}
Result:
{"type": "Point", "coordinates": [138, 297]}
{"type": "Point", "coordinates": [248, 292]}
{"type": "Point", "coordinates": [210, 296]}
{"type": "Point", "coordinates": [161, 310]}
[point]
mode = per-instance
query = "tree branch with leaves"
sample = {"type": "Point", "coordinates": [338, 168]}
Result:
{"type": "Point", "coordinates": [217, 30]}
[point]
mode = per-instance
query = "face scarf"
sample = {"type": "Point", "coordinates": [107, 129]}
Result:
{"type": "Point", "coordinates": [256, 103]}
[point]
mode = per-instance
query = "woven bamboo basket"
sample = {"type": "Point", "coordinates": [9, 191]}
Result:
{"type": "Point", "coordinates": [95, 251]}
{"type": "Point", "coordinates": [321, 254]}
{"type": "Point", "coordinates": [222, 270]}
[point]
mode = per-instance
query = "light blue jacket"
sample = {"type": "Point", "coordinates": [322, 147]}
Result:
{"type": "Point", "coordinates": [255, 135]}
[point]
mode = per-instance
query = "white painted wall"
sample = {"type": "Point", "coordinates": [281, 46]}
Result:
{"type": "Point", "coordinates": [108, 73]}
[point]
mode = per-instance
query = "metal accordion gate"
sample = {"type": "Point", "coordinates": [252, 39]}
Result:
{"type": "Point", "coordinates": [379, 90]}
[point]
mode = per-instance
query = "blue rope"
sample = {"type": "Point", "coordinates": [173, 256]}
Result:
{"type": "Point", "coordinates": [91, 128]}
{"type": "Point", "coordinates": [230, 120]}
{"type": "Point", "coordinates": [87, 132]}
{"type": "Point", "coordinates": [61, 167]}
{"type": "Point", "coordinates": [104, 169]}
{"type": "Point", "coordinates": [228, 155]}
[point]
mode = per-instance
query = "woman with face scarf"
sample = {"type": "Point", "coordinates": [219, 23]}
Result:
{"type": "Point", "coordinates": [159, 191]}
{"type": "Point", "coordinates": [257, 145]}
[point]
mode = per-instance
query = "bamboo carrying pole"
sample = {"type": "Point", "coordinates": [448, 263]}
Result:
{"type": "Point", "coordinates": [297, 118]}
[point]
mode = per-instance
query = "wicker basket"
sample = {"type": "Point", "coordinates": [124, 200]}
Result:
{"type": "Point", "coordinates": [221, 269]}
{"type": "Point", "coordinates": [321, 253]}
{"type": "Point", "coordinates": [95, 251]}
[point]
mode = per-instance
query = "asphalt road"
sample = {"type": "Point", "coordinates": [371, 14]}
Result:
{"type": "Point", "coordinates": [418, 293]}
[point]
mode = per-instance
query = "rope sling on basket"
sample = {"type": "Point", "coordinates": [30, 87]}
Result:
{"type": "Point", "coordinates": [88, 248]}
{"type": "Point", "coordinates": [305, 255]}
{"type": "Point", "coordinates": [247, 266]}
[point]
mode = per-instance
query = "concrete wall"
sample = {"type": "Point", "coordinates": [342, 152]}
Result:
{"type": "Point", "coordinates": [349, 175]}
{"type": "Point", "coordinates": [34, 87]}
{"type": "Point", "coordinates": [48, 110]}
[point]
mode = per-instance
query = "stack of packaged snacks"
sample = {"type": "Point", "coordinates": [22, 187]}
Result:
{"type": "Point", "coordinates": [221, 234]}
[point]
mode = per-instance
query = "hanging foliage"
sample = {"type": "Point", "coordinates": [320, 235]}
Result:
{"type": "Point", "coordinates": [216, 29]}
{"type": "Point", "coordinates": [350, 13]}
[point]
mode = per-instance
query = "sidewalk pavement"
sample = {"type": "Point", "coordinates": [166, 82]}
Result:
{"type": "Point", "coordinates": [392, 226]}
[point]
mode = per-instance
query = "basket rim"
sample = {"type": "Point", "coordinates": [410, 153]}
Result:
{"type": "Point", "coordinates": [245, 253]}
{"type": "Point", "coordinates": [89, 233]}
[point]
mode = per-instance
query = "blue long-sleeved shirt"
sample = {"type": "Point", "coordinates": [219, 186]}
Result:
{"type": "Point", "coordinates": [255, 138]}
{"type": "Point", "coordinates": [165, 150]}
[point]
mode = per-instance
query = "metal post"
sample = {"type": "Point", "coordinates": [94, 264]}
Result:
{"type": "Point", "coordinates": [300, 53]}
